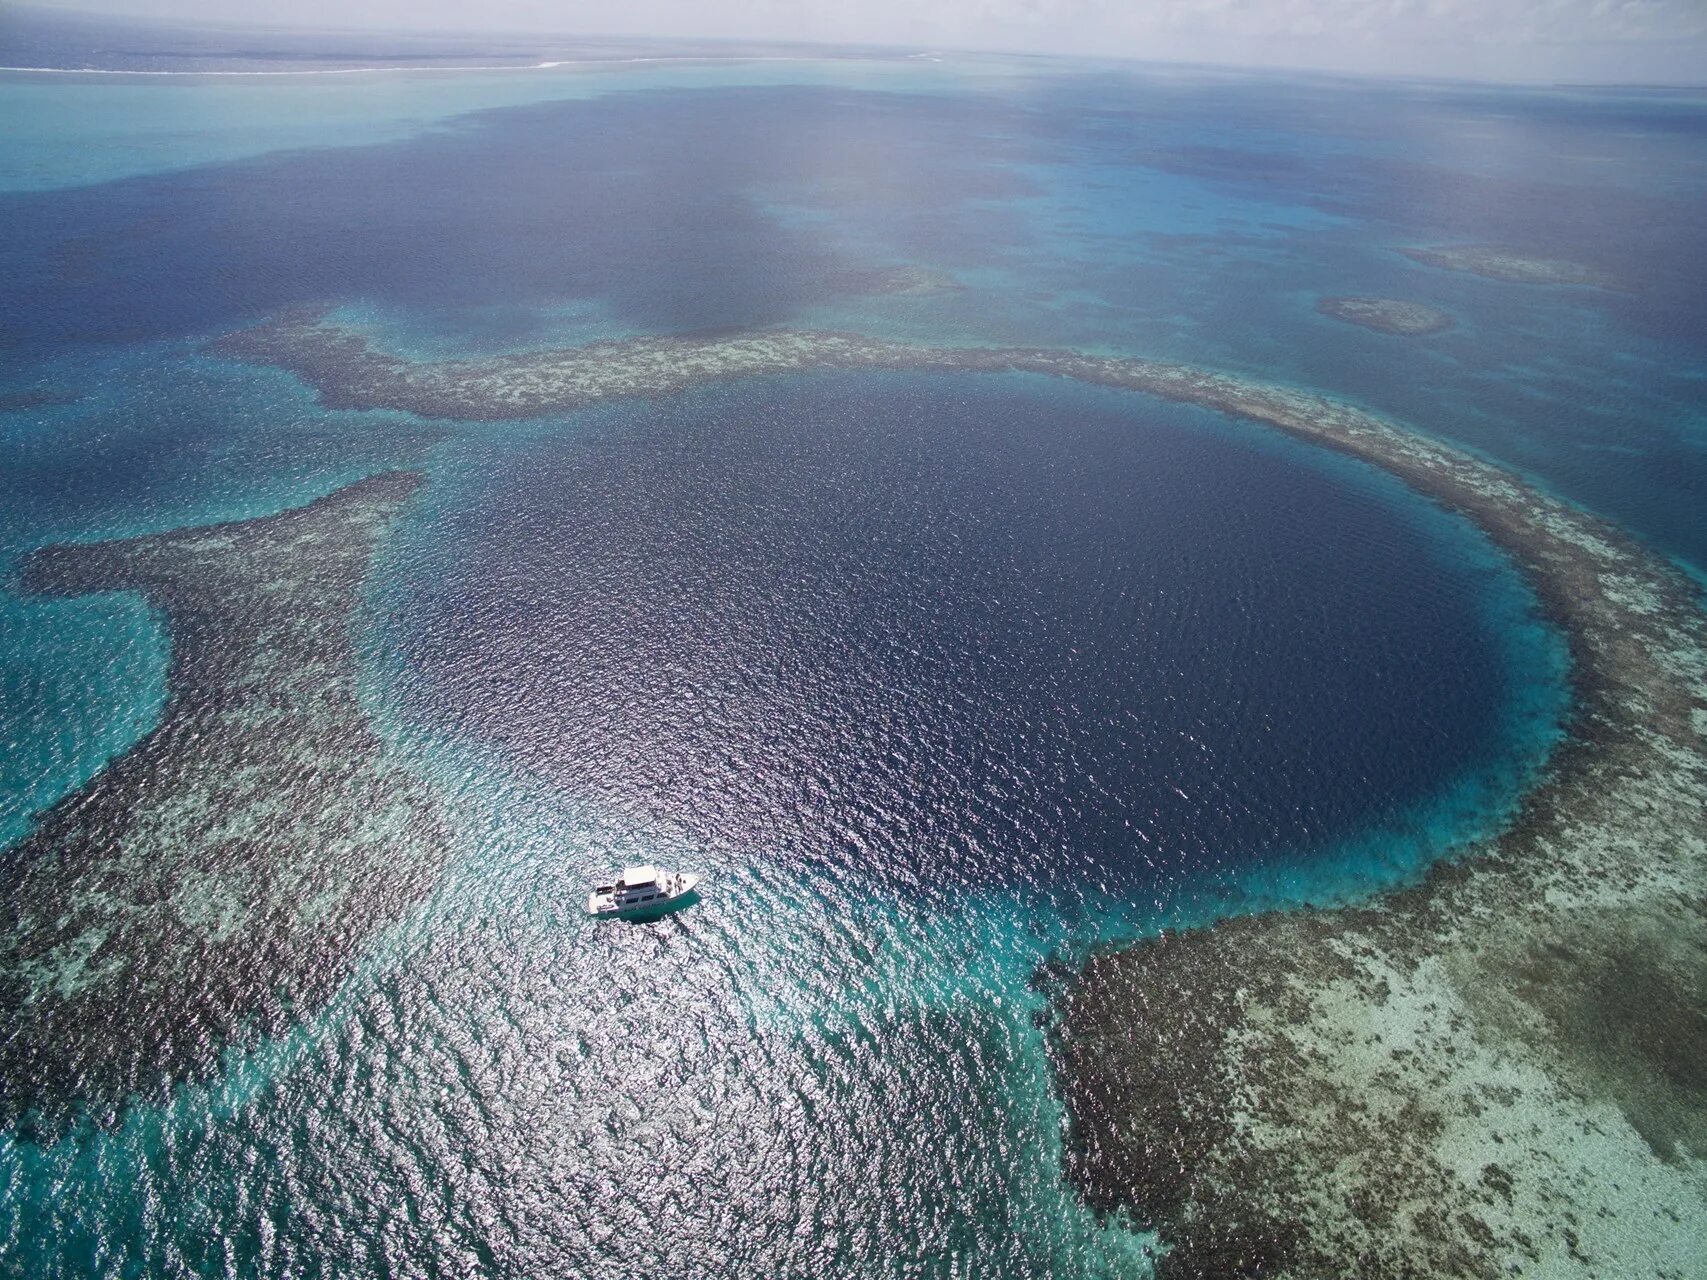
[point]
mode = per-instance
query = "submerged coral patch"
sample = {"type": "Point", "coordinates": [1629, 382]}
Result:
{"type": "Point", "coordinates": [1387, 315]}
{"type": "Point", "coordinates": [21, 401]}
{"type": "Point", "coordinates": [1494, 263]}
{"type": "Point", "coordinates": [215, 881]}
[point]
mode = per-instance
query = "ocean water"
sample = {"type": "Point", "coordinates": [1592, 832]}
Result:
{"type": "Point", "coordinates": [940, 678]}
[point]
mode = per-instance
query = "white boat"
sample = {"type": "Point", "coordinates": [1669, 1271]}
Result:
{"type": "Point", "coordinates": [642, 892]}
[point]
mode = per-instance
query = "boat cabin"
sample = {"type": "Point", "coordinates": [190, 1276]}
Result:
{"type": "Point", "coordinates": [641, 890]}
{"type": "Point", "coordinates": [635, 887]}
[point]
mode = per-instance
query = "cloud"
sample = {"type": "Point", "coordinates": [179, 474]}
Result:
{"type": "Point", "coordinates": [1440, 21]}
{"type": "Point", "coordinates": [1501, 39]}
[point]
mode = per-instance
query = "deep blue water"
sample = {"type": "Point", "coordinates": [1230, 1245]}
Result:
{"type": "Point", "coordinates": [939, 677]}
{"type": "Point", "coordinates": [1193, 219]}
{"type": "Point", "coordinates": [943, 634]}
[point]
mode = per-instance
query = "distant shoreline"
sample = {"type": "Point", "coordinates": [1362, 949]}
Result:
{"type": "Point", "coordinates": [380, 69]}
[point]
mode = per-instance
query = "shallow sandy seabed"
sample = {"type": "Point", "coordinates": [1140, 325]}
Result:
{"type": "Point", "coordinates": [1500, 1070]}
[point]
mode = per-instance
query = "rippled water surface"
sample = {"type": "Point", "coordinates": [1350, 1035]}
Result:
{"type": "Point", "coordinates": [946, 634]}
{"type": "Point", "coordinates": [941, 679]}
{"type": "Point", "coordinates": [937, 678]}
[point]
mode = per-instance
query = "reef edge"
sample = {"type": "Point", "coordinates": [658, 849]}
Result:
{"type": "Point", "coordinates": [1498, 1067]}
{"type": "Point", "coordinates": [215, 882]}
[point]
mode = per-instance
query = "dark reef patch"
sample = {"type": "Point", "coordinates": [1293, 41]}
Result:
{"type": "Point", "coordinates": [1387, 315]}
{"type": "Point", "coordinates": [1464, 1078]}
{"type": "Point", "coordinates": [20, 401]}
{"type": "Point", "coordinates": [214, 882]}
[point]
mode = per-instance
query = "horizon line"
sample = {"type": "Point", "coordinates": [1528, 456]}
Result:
{"type": "Point", "coordinates": [877, 51]}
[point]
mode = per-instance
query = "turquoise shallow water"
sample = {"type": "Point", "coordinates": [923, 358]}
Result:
{"type": "Point", "coordinates": [941, 680]}
{"type": "Point", "coordinates": [778, 1028]}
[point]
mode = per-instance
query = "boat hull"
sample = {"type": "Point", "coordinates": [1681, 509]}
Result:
{"type": "Point", "coordinates": [685, 897]}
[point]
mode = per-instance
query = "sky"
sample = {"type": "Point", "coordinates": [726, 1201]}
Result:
{"type": "Point", "coordinates": [1624, 41]}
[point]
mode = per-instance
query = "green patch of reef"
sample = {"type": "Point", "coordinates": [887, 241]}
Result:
{"type": "Point", "coordinates": [214, 882]}
{"type": "Point", "coordinates": [1498, 1068]}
